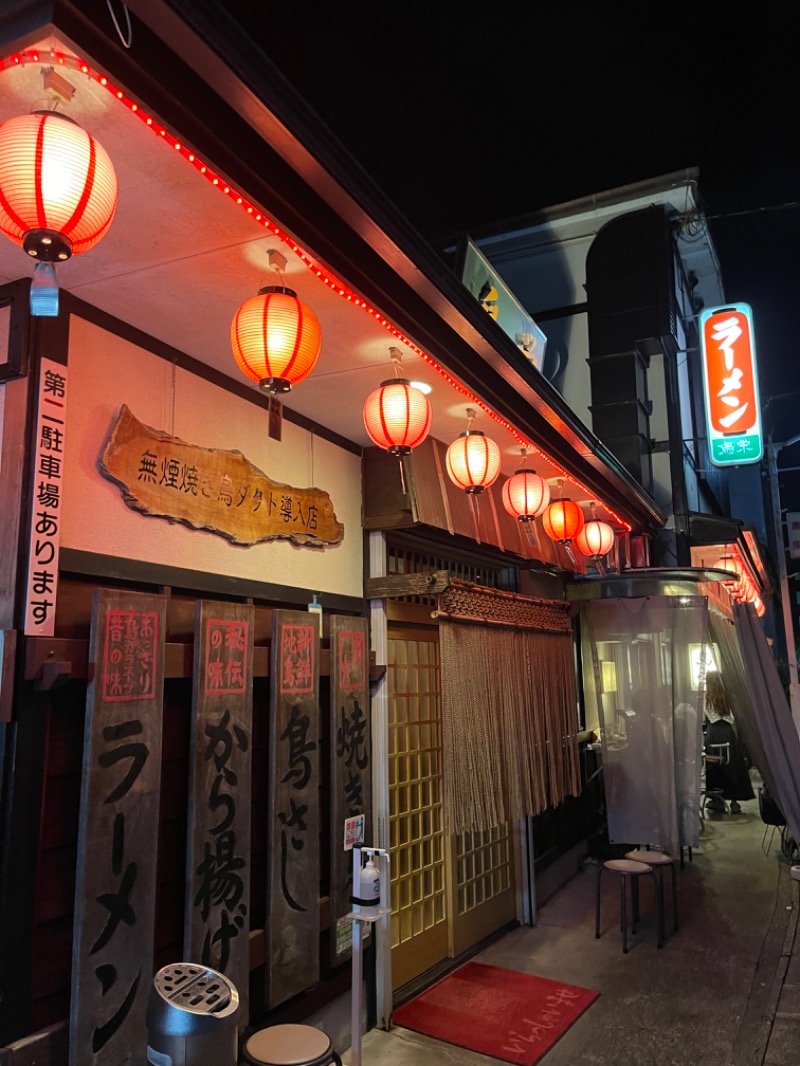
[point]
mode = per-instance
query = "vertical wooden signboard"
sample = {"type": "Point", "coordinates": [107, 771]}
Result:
{"type": "Point", "coordinates": [351, 765]}
{"type": "Point", "coordinates": [293, 853]}
{"type": "Point", "coordinates": [115, 889]}
{"type": "Point", "coordinates": [217, 907]}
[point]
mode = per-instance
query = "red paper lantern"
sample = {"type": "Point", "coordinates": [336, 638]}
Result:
{"type": "Point", "coordinates": [473, 461]}
{"type": "Point", "coordinates": [275, 339]}
{"type": "Point", "coordinates": [596, 538]}
{"type": "Point", "coordinates": [733, 565]}
{"type": "Point", "coordinates": [525, 495]}
{"type": "Point", "coordinates": [563, 520]}
{"type": "Point", "coordinates": [58, 189]}
{"type": "Point", "coordinates": [58, 194]}
{"type": "Point", "coordinates": [397, 416]}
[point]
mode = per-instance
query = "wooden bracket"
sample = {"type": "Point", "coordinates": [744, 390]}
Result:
{"type": "Point", "coordinates": [54, 674]}
{"type": "Point", "coordinates": [394, 585]}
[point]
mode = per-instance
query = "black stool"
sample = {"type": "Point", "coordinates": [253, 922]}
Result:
{"type": "Point", "coordinates": [628, 869]}
{"type": "Point", "coordinates": [659, 860]}
{"type": "Point", "coordinates": [290, 1045]}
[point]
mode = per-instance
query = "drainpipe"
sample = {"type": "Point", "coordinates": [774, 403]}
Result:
{"type": "Point", "coordinates": [677, 467]}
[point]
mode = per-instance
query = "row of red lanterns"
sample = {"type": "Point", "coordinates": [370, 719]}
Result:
{"type": "Point", "coordinates": [397, 417]}
{"type": "Point", "coordinates": [58, 196]}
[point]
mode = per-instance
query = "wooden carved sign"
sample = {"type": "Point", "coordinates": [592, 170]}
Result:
{"type": "Point", "coordinates": [293, 819]}
{"type": "Point", "coordinates": [351, 751]}
{"type": "Point", "coordinates": [217, 491]}
{"type": "Point", "coordinates": [217, 906]}
{"type": "Point", "coordinates": [115, 885]}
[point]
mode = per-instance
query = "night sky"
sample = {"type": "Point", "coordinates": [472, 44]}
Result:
{"type": "Point", "coordinates": [467, 118]}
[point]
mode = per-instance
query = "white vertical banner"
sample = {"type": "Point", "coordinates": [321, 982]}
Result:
{"type": "Point", "coordinates": [46, 501]}
{"type": "Point", "coordinates": [793, 533]}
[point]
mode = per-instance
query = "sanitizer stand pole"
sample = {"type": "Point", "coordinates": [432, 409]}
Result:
{"type": "Point", "coordinates": [356, 996]}
{"type": "Point", "coordinates": [359, 920]}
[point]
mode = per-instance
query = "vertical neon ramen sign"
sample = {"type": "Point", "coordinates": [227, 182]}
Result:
{"type": "Point", "coordinates": [733, 409]}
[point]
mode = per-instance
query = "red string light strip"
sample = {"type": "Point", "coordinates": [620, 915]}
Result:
{"type": "Point", "coordinates": [72, 62]}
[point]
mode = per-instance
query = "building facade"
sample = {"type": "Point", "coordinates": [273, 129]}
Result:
{"type": "Point", "coordinates": [182, 738]}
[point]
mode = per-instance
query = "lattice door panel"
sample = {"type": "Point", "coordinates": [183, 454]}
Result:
{"type": "Point", "coordinates": [484, 885]}
{"type": "Point", "coordinates": [419, 896]}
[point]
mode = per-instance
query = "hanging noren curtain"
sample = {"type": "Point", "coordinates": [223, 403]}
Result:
{"type": "Point", "coordinates": [509, 706]}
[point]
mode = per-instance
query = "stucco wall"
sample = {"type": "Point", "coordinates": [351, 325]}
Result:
{"type": "Point", "coordinates": [105, 372]}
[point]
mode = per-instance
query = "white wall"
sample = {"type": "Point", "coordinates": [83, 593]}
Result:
{"type": "Point", "coordinates": [105, 372]}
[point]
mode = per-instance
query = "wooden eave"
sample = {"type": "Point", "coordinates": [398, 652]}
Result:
{"type": "Point", "coordinates": [214, 97]}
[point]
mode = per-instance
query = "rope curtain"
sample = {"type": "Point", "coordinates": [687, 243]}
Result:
{"type": "Point", "coordinates": [509, 711]}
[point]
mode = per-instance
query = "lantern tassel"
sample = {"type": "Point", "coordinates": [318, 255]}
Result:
{"type": "Point", "coordinates": [44, 291]}
{"type": "Point", "coordinates": [530, 530]}
{"type": "Point", "coordinates": [598, 562]}
{"type": "Point", "coordinates": [402, 475]}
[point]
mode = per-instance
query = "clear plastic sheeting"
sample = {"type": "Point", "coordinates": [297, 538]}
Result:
{"type": "Point", "coordinates": [728, 657]}
{"type": "Point", "coordinates": [780, 745]}
{"type": "Point", "coordinates": [644, 672]}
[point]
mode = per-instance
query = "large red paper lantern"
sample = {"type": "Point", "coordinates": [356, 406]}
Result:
{"type": "Point", "coordinates": [563, 520]}
{"type": "Point", "coordinates": [58, 189]}
{"type": "Point", "coordinates": [595, 539]}
{"type": "Point", "coordinates": [397, 416]}
{"type": "Point", "coordinates": [473, 461]}
{"type": "Point", "coordinates": [275, 339]}
{"type": "Point", "coordinates": [525, 495]}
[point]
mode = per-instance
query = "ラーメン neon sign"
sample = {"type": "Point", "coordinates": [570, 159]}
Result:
{"type": "Point", "coordinates": [730, 377]}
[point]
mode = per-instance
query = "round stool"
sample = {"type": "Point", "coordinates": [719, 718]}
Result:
{"type": "Point", "coordinates": [659, 860]}
{"type": "Point", "coordinates": [290, 1045]}
{"type": "Point", "coordinates": [628, 869]}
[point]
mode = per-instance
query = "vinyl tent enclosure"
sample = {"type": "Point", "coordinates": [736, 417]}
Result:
{"type": "Point", "coordinates": [645, 662]}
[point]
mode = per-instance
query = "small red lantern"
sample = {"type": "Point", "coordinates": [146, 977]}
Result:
{"type": "Point", "coordinates": [275, 339]}
{"type": "Point", "coordinates": [473, 459]}
{"type": "Point", "coordinates": [525, 495]}
{"type": "Point", "coordinates": [596, 539]}
{"type": "Point", "coordinates": [733, 565]}
{"type": "Point", "coordinates": [563, 520]}
{"type": "Point", "coordinates": [397, 416]}
{"type": "Point", "coordinates": [58, 194]}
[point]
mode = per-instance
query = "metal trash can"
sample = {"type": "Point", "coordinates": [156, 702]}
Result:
{"type": "Point", "coordinates": [191, 1017]}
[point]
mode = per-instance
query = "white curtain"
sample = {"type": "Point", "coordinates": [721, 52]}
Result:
{"type": "Point", "coordinates": [646, 676]}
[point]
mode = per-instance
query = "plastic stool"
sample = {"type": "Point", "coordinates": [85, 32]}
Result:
{"type": "Point", "coordinates": [627, 869]}
{"type": "Point", "coordinates": [659, 860]}
{"type": "Point", "coordinates": [290, 1045]}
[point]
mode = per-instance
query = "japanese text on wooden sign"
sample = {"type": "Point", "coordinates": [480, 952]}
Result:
{"type": "Point", "coordinates": [47, 498]}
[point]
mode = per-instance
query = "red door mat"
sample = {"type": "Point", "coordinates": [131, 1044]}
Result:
{"type": "Point", "coordinates": [509, 1015]}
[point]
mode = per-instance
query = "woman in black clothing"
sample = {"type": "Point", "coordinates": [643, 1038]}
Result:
{"type": "Point", "coordinates": [729, 776]}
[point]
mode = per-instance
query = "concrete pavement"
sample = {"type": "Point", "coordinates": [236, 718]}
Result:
{"type": "Point", "coordinates": [723, 991]}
